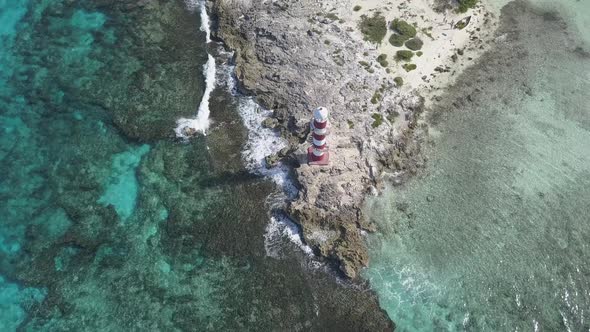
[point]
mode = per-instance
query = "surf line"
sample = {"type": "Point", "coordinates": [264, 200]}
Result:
{"type": "Point", "coordinates": [186, 128]}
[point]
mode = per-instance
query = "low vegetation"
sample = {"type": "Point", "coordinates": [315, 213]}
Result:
{"type": "Point", "coordinates": [409, 67]}
{"type": "Point", "coordinates": [382, 59]}
{"type": "Point", "coordinates": [367, 66]}
{"type": "Point", "coordinates": [414, 44]}
{"type": "Point", "coordinates": [465, 5]}
{"type": "Point", "coordinates": [376, 98]}
{"type": "Point", "coordinates": [419, 53]}
{"type": "Point", "coordinates": [398, 81]}
{"type": "Point", "coordinates": [378, 120]}
{"type": "Point", "coordinates": [404, 55]}
{"type": "Point", "coordinates": [397, 40]}
{"type": "Point", "coordinates": [403, 31]}
{"type": "Point", "coordinates": [357, 8]}
{"type": "Point", "coordinates": [403, 28]}
{"type": "Point", "coordinates": [373, 28]}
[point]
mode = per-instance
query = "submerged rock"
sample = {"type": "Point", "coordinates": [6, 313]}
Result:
{"type": "Point", "coordinates": [272, 160]}
{"type": "Point", "coordinates": [271, 123]}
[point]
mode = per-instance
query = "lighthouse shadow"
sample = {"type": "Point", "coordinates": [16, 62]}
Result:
{"type": "Point", "coordinates": [300, 157]}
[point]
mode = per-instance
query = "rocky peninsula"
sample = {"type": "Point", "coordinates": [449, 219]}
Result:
{"type": "Point", "coordinates": [376, 66]}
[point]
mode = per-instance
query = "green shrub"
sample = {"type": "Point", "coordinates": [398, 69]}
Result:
{"type": "Point", "coordinates": [350, 124]}
{"type": "Point", "coordinates": [357, 8]}
{"type": "Point", "coordinates": [419, 53]}
{"type": "Point", "coordinates": [376, 98]}
{"type": "Point", "coordinates": [464, 5]}
{"type": "Point", "coordinates": [398, 81]}
{"type": "Point", "coordinates": [367, 66]}
{"type": "Point", "coordinates": [378, 120]}
{"type": "Point", "coordinates": [414, 44]}
{"type": "Point", "coordinates": [373, 28]}
{"type": "Point", "coordinates": [332, 16]}
{"type": "Point", "coordinates": [404, 55]}
{"type": "Point", "coordinates": [403, 28]}
{"type": "Point", "coordinates": [397, 40]}
{"type": "Point", "coordinates": [409, 66]}
{"type": "Point", "coordinates": [382, 59]}
{"type": "Point", "coordinates": [327, 42]}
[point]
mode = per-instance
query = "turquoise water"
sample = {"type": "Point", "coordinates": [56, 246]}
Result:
{"type": "Point", "coordinates": [121, 189]}
{"type": "Point", "coordinates": [495, 234]}
{"type": "Point", "coordinates": [108, 223]}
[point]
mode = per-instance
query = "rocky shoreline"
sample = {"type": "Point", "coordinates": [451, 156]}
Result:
{"type": "Point", "coordinates": [296, 55]}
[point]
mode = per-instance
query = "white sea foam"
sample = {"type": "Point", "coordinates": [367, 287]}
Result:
{"type": "Point", "coordinates": [205, 22]}
{"type": "Point", "coordinates": [261, 143]}
{"type": "Point", "coordinates": [193, 5]}
{"type": "Point", "coordinates": [279, 227]}
{"type": "Point", "coordinates": [201, 122]}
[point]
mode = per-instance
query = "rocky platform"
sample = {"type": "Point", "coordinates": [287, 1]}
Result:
{"type": "Point", "coordinates": [297, 55]}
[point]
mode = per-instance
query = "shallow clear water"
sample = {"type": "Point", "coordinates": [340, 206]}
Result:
{"type": "Point", "coordinates": [495, 234]}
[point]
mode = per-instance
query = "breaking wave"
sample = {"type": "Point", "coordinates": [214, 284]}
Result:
{"type": "Point", "coordinates": [186, 127]}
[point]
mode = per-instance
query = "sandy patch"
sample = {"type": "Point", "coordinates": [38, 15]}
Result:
{"type": "Point", "coordinates": [446, 51]}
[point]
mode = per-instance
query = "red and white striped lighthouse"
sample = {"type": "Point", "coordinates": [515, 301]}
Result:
{"type": "Point", "coordinates": [318, 153]}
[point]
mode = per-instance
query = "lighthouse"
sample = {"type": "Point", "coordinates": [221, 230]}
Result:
{"type": "Point", "coordinates": [318, 153]}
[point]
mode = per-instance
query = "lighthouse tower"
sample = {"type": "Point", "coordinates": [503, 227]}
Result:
{"type": "Point", "coordinates": [318, 153]}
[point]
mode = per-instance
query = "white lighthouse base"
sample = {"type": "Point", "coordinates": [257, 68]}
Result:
{"type": "Point", "coordinates": [313, 160]}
